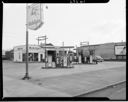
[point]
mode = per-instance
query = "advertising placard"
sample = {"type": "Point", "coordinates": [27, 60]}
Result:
{"type": "Point", "coordinates": [120, 50]}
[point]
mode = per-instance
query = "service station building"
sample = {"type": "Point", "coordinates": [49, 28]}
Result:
{"type": "Point", "coordinates": [37, 52]}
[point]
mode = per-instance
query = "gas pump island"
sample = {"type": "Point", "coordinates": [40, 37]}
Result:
{"type": "Point", "coordinates": [57, 57]}
{"type": "Point", "coordinates": [86, 56]}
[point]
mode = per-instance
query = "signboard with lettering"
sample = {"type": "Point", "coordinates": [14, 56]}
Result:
{"type": "Point", "coordinates": [120, 50]}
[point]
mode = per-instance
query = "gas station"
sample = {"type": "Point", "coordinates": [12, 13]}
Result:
{"type": "Point", "coordinates": [52, 56]}
{"type": "Point", "coordinates": [85, 56]}
{"type": "Point", "coordinates": [52, 69]}
{"type": "Point", "coordinates": [58, 57]}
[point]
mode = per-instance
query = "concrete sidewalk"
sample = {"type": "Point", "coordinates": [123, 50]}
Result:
{"type": "Point", "coordinates": [17, 70]}
{"type": "Point", "coordinates": [85, 82]}
{"type": "Point", "coordinates": [19, 88]}
{"type": "Point", "coordinates": [60, 82]}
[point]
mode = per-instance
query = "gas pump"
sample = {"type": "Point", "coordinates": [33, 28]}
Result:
{"type": "Point", "coordinates": [90, 58]}
{"type": "Point", "coordinates": [65, 61]}
{"type": "Point", "coordinates": [92, 53]}
{"type": "Point", "coordinates": [61, 61]}
{"type": "Point", "coordinates": [49, 61]}
{"type": "Point", "coordinates": [79, 59]}
{"type": "Point", "coordinates": [57, 61]}
{"type": "Point", "coordinates": [85, 59]}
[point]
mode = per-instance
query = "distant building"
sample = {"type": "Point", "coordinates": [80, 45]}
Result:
{"type": "Point", "coordinates": [109, 51]}
{"type": "Point", "coordinates": [3, 54]}
{"type": "Point", "coordinates": [7, 55]}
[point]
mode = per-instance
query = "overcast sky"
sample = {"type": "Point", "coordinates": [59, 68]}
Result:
{"type": "Point", "coordinates": [68, 23]}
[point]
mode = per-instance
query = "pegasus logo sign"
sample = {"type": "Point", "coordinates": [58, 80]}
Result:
{"type": "Point", "coordinates": [34, 11]}
{"type": "Point", "coordinates": [34, 16]}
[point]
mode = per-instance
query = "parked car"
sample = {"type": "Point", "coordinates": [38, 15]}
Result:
{"type": "Point", "coordinates": [98, 58]}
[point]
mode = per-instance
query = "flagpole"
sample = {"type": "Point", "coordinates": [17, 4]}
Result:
{"type": "Point", "coordinates": [26, 74]}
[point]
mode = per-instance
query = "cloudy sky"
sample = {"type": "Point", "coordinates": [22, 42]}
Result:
{"type": "Point", "coordinates": [68, 23]}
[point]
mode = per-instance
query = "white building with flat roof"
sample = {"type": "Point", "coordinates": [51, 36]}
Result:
{"type": "Point", "coordinates": [36, 53]}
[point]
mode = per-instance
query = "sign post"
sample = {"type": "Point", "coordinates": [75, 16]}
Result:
{"type": "Point", "coordinates": [33, 22]}
{"type": "Point", "coordinates": [26, 74]}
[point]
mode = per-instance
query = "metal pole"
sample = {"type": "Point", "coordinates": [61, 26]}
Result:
{"type": "Point", "coordinates": [76, 51]}
{"type": "Point", "coordinates": [89, 47]}
{"type": "Point", "coordinates": [26, 74]}
{"type": "Point", "coordinates": [38, 40]}
{"type": "Point", "coordinates": [45, 51]}
{"type": "Point", "coordinates": [63, 47]}
{"type": "Point", "coordinates": [63, 54]}
{"type": "Point", "coordinates": [89, 52]}
{"type": "Point", "coordinates": [27, 53]}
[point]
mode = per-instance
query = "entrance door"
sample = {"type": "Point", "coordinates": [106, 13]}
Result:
{"type": "Point", "coordinates": [30, 57]}
{"type": "Point", "coordinates": [53, 54]}
{"type": "Point", "coordinates": [35, 56]}
{"type": "Point", "coordinates": [41, 57]}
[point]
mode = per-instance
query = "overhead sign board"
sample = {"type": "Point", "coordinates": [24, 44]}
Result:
{"type": "Point", "coordinates": [120, 50]}
{"type": "Point", "coordinates": [34, 16]}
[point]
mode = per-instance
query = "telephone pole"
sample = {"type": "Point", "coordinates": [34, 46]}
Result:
{"type": "Point", "coordinates": [63, 54]}
{"type": "Point", "coordinates": [43, 38]}
{"type": "Point", "coordinates": [45, 49]}
{"type": "Point", "coordinates": [40, 38]}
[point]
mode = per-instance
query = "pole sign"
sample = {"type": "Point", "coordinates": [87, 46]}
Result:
{"type": "Point", "coordinates": [120, 50]}
{"type": "Point", "coordinates": [34, 16]}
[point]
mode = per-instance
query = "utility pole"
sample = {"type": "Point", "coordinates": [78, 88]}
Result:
{"type": "Point", "coordinates": [45, 50]}
{"type": "Point", "coordinates": [38, 40]}
{"type": "Point", "coordinates": [63, 54]}
{"type": "Point", "coordinates": [63, 47]}
{"type": "Point", "coordinates": [76, 51]}
{"type": "Point", "coordinates": [43, 38]}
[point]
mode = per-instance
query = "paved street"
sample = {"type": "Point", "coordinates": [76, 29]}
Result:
{"type": "Point", "coordinates": [83, 82]}
{"type": "Point", "coordinates": [17, 70]}
{"type": "Point", "coordinates": [117, 91]}
{"type": "Point", "coordinates": [61, 82]}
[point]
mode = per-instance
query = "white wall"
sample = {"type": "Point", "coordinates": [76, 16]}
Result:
{"type": "Point", "coordinates": [18, 56]}
{"type": "Point", "coordinates": [19, 50]}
